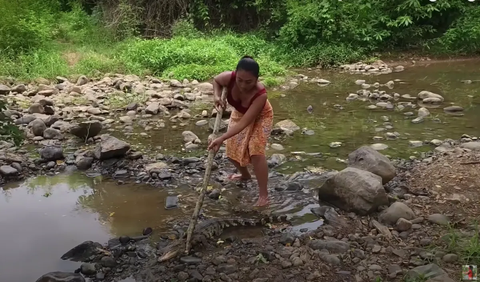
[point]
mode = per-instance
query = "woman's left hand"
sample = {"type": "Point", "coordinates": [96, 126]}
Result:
{"type": "Point", "coordinates": [215, 144]}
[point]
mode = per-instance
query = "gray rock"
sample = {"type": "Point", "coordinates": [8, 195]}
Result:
{"type": "Point", "coordinates": [474, 145]}
{"type": "Point", "coordinates": [52, 133]}
{"type": "Point", "coordinates": [38, 127]}
{"type": "Point", "coordinates": [36, 108]}
{"type": "Point", "coordinates": [425, 271]}
{"type": "Point", "coordinates": [82, 251]}
{"type": "Point", "coordinates": [171, 202]}
{"type": "Point", "coordinates": [153, 108]}
{"type": "Point", "coordinates": [354, 190]}
{"type": "Point", "coordinates": [83, 162]}
{"type": "Point", "coordinates": [403, 224]}
{"type": "Point", "coordinates": [58, 276]}
{"type": "Point", "coordinates": [108, 262]}
{"type": "Point", "coordinates": [439, 219]}
{"type": "Point", "coordinates": [286, 126]}
{"type": "Point", "coordinates": [86, 129]}
{"type": "Point", "coordinates": [333, 246]}
{"type": "Point", "coordinates": [453, 109]}
{"type": "Point", "coordinates": [7, 170]}
{"type": "Point", "coordinates": [88, 269]}
{"type": "Point", "coordinates": [51, 153]}
{"type": "Point", "coordinates": [111, 147]}
{"type": "Point", "coordinates": [396, 211]}
{"type": "Point", "coordinates": [4, 89]}
{"type": "Point", "coordinates": [366, 158]}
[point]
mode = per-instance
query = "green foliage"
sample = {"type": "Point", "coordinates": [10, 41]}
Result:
{"type": "Point", "coordinates": [63, 37]}
{"type": "Point", "coordinates": [8, 130]}
{"type": "Point", "coordinates": [197, 58]}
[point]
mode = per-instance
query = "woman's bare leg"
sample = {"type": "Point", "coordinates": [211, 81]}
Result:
{"type": "Point", "coordinates": [243, 172]}
{"type": "Point", "coordinates": [260, 167]}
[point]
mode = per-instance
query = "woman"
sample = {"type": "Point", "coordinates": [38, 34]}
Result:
{"type": "Point", "coordinates": [250, 122]}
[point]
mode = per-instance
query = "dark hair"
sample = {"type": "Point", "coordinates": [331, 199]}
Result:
{"type": "Point", "coordinates": [247, 63]}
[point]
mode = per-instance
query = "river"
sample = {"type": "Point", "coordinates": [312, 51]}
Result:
{"type": "Point", "coordinates": [44, 217]}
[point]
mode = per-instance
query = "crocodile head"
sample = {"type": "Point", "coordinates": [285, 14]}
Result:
{"type": "Point", "coordinates": [172, 250]}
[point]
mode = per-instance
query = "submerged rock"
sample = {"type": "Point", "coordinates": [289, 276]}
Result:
{"type": "Point", "coordinates": [86, 129]}
{"type": "Point", "coordinates": [82, 251]}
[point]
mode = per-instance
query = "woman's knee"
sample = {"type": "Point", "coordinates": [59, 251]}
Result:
{"type": "Point", "coordinates": [258, 159]}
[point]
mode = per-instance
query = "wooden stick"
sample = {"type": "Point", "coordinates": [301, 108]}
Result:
{"type": "Point", "coordinates": [206, 179]}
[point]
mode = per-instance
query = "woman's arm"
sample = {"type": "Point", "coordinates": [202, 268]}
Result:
{"type": "Point", "coordinates": [252, 113]}
{"type": "Point", "coordinates": [220, 81]}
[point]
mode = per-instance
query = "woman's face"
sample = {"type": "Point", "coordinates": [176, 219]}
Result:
{"type": "Point", "coordinates": [245, 80]}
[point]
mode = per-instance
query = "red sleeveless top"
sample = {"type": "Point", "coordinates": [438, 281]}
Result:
{"type": "Point", "coordinates": [238, 104]}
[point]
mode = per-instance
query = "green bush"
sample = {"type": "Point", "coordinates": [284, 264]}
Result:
{"type": "Point", "coordinates": [196, 58]}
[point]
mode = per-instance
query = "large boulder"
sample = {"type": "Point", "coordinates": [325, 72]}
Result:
{"type": "Point", "coordinates": [354, 190]}
{"type": "Point", "coordinates": [366, 158]}
{"type": "Point", "coordinates": [58, 276]}
{"type": "Point", "coordinates": [111, 147]}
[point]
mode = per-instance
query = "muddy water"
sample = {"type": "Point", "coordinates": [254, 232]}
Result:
{"type": "Point", "coordinates": [46, 216]}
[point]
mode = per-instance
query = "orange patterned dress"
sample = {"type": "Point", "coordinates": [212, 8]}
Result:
{"type": "Point", "coordinates": [253, 139]}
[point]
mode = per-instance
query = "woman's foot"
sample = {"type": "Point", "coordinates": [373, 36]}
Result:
{"type": "Point", "coordinates": [239, 177]}
{"type": "Point", "coordinates": [262, 201]}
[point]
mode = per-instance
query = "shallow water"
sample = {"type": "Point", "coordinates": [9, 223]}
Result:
{"type": "Point", "coordinates": [46, 216]}
{"type": "Point", "coordinates": [354, 125]}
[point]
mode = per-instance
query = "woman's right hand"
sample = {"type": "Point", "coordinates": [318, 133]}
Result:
{"type": "Point", "coordinates": [219, 103]}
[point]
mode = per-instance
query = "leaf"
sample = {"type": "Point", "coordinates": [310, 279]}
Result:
{"type": "Point", "coordinates": [111, 214]}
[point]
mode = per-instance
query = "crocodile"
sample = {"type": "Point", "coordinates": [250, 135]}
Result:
{"type": "Point", "coordinates": [211, 229]}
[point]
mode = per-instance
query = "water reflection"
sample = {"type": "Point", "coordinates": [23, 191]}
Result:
{"type": "Point", "coordinates": [42, 219]}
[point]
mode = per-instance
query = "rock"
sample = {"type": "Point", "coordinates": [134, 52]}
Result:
{"type": "Point", "coordinates": [153, 108]}
{"type": "Point", "coordinates": [86, 130]}
{"type": "Point", "coordinates": [51, 153]}
{"type": "Point", "coordinates": [36, 108]}
{"type": "Point", "coordinates": [156, 167]}
{"type": "Point", "coordinates": [82, 251]}
{"type": "Point", "coordinates": [423, 112]}
{"type": "Point", "coordinates": [450, 258]}
{"type": "Point", "coordinates": [439, 219]}
{"type": "Point", "coordinates": [366, 158]}
{"type": "Point", "coordinates": [276, 147]}
{"type": "Point", "coordinates": [82, 80]}
{"type": "Point", "coordinates": [396, 211]}
{"type": "Point", "coordinates": [52, 133]}
{"type": "Point", "coordinates": [108, 261]}
{"type": "Point", "coordinates": [453, 109]}
{"type": "Point", "coordinates": [88, 269]}
{"type": "Point", "coordinates": [403, 225]}
{"type": "Point", "coordinates": [286, 126]}
{"type": "Point", "coordinates": [276, 159]}
{"type": "Point", "coordinates": [201, 122]}
{"type": "Point", "coordinates": [83, 162]}
{"type": "Point", "coordinates": [190, 137]}
{"type": "Point", "coordinates": [425, 272]}
{"type": "Point", "coordinates": [379, 146]}
{"type": "Point", "coordinates": [4, 90]}
{"type": "Point", "coordinates": [355, 190]}
{"type": "Point", "coordinates": [428, 95]}
{"type": "Point", "coordinates": [474, 145]}
{"type": "Point", "coordinates": [7, 170]}
{"type": "Point", "coordinates": [111, 147]}
{"type": "Point", "coordinates": [205, 88]}
{"type": "Point", "coordinates": [333, 246]}
{"type": "Point", "coordinates": [58, 276]}
{"type": "Point", "coordinates": [38, 127]}
{"type": "Point", "coordinates": [415, 143]}
{"type": "Point", "coordinates": [171, 202]}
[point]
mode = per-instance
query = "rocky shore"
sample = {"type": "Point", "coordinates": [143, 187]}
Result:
{"type": "Point", "coordinates": [392, 221]}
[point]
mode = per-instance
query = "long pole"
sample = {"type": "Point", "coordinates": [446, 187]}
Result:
{"type": "Point", "coordinates": [206, 179]}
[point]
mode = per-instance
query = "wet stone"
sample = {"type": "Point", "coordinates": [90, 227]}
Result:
{"type": "Point", "coordinates": [190, 260]}
{"type": "Point", "coordinates": [171, 202]}
{"type": "Point", "coordinates": [88, 269]}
